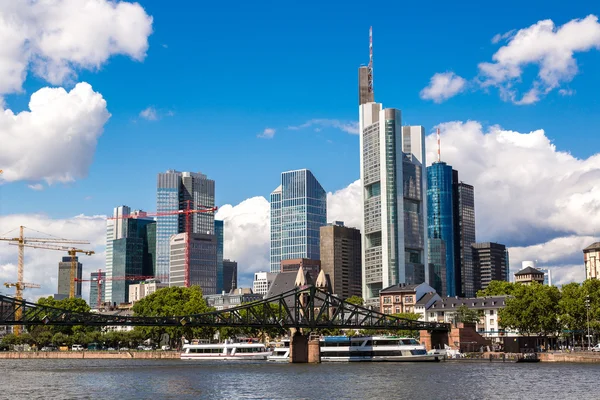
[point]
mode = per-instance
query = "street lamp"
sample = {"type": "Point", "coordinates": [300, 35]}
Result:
{"type": "Point", "coordinates": [587, 307]}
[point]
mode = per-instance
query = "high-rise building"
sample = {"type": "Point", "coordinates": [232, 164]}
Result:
{"type": "Point", "coordinates": [115, 229]}
{"type": "Point", "coordinates": [591, 259]}
{"type": "Point", "coordinates": [298, 210]}
{"type": "Point", "coordinates": [308, 265]}
{"type": "Point", "coordinates": [464, 236]}
{"type": "Point", "coordinates": [175, 191]}
{"type": "Point", "coordinates": [64, 277]}
{"type": "Point", "coordinates": [202, 261]}
{"type": "Point", "coordinates": [230, 275]}
{"type": "Point", "coordinates": [437, 265]}
{"type": "Point", "coordinates": [140, 290]}
{"type": "Point", "coordinates": [491, 260]}
{"type": "Point", "coordinates": [133, 254]}
{"type": "Point", "coordinates": [341, 259]}
{"type": "Point", "coordinates": [97, 289]}
{"type": "Point", "coordinates": [440, 217]}
{"type": "Point", "coordinates": [220, 235]}
{"type": "Point", "coordinates": [262, 282]}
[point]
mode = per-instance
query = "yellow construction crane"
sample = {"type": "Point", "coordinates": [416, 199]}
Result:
{"type": "Point", "coordinates": [73, 253]}
{"type": "Point", "coordinates": [23, 241]}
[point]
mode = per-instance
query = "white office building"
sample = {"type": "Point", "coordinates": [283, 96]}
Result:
{"type": "Point", "coordinates": [115, 229]}
{"type": "Point", "coordinates": [262, 282]}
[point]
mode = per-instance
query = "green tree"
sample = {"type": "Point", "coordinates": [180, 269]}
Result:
{"type": "Point", "coordinates": [76, 305]}
{"type": "Point", "coordinates": [405, 332]}
{"type": "Point", "coordinates": [498, 288]}
{"type": "Point", "coordinates": [11, 339]}
{"type": "Point", "coordinates": [572, 312]}
{"type": "Point", "coordinates": [60, 339]}
{"type": "Point", "coordinates": [173, 302]}
{"type": "Point", "coordinates": [532, 310]}
{"type": "Point", "coordinates": [466, 315]}
{"type": "Point", "coordinates": [359, 301]}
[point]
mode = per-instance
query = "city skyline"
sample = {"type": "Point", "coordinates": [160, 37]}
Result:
{"type": "Point", "coordinates": [531, 186]}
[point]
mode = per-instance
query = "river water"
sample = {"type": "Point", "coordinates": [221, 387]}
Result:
{"type": "Point", "coordinates": [175, 379]}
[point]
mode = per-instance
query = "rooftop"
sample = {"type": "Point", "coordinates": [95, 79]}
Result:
{"type": "Point", "coordinates": [593, 246]}
{"type": "Point", "coordinates": [529, 271]}
{"type": "Point", "coordinates": [471, 302]}
{"type": "Point", "coordinates": [400, 287]}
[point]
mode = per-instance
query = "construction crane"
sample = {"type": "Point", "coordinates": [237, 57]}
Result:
{"type": "Point", "coordinates": [73, 254]}
{"type": "Point", "coordinates": [23, 241]}
{"type": "Point", "coordinates": [102, 277]}
{"type": "Point", "coordinates": [188, 212]}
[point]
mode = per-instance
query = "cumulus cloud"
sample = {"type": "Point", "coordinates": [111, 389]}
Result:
{"type": "Point", "coordinates": [550, 48]}
{"type": "Point", "coordinates": [149, 113]}
{"type": "Point", "coordinates": [345, 205]}
{"type": "Point", "coordinates": [37, 187]}
{"type": "Point", "coordinates": [56, 38]}
{"type": "Point", "coordinates": [345, 126]}
{"type": "Point", "coordinates": [41, 266]}
{"type": "Point", "coordinates": [56, 139]}
{"type": "Point", "coordinates": [442, 86]}
{"type": "Point", "coordinates": [268, 133]}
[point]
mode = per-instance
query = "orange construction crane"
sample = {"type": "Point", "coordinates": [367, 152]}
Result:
{"type": "Point", "coordinates": [102, 277]}
{"type": "Point", "coordinates": [188, 225]}
{"type": "Point", "coordinates": [23, 241]}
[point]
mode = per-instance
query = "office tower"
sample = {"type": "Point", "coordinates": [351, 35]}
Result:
{"type": "Point", "coordinates": [220, 235]}
{"type": "Point", "coordinates": [64, 277]}
{"type": "Point", "coordinates": [464, 236]}
{"type": "Point", "coordinates": [230, 274]}
{"type": "Point", "coordinates": [440, 218]}
{"type": "Point", "coordinates": [308, 265]}
{"type": "Point", "coordinates": [262, 282]}
{"type": "Point", "coordinates": [97, 287]}
{"type": "Point", "coordinates": [591, 255]}
{"type": "Point", "coordinates": [491, 260]}
{"type": "Point", "coordinates": [145, 288]}
{"type": "Point", "coordinates": [202, 260]}
{"type": "Point", "coordinates": [547, 276]}
{"type": "Point", "coordinates": [175, 190]}
{"type": "Point", "coordinates": [341, 259]}
{"type": "Point", "coordinates": [298, 210]}
{"type": "Point", "coordinates": [133, 254]}
{"type": "Point", "coordinates": [114, 230]}
{"type": "Point", "coordinates": [437, 265]}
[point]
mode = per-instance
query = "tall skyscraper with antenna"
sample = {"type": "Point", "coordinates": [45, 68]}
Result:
{"type": "Point", "coordinates": [392, 162]}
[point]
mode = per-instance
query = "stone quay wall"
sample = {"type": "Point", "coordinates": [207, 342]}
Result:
{"type": "Point", "coordinates": [144, 355]}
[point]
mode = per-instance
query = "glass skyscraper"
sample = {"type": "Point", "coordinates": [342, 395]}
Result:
{"type": "Point", "coordinates": [219, 234]}
{"type": "Point", "coordinates": [298, 211]}
{"type": "Point", "coordinates": [174, 189]}
{"type": "Point", "coordinates": [440, 216]}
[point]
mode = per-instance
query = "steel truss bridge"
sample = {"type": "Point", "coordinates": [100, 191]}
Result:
{"type": "Point", "coordinates": [305, 307]}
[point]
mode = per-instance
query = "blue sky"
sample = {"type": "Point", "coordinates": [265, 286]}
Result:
{"type": "Point", "coordinates": [228, 71]}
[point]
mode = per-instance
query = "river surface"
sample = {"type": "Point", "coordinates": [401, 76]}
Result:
{"type": "Point", "coordinates": [175, 379]}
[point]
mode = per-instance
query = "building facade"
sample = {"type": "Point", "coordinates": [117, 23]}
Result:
{"type": "Point", "coordinates": [311, 266]}
{"type": "Point", "coordinates": [491, 262]}
{"type": "Point", "coordinates": [230, 275]}
{"type": "Point", "coordinates": [64, 277]}
{"type": "Point", "coordinates": [97, 289]}
{"type": "Point", "coordinates": [140, 290]}
{"type": "Point", "coordinates": [220, 236]}
{"type": "Point", "coordinates": [114, 230]}
{"type": "Point", "coordinates": [529, 275]}
{"type": "Point", "coordinates": [236, 298]}
{"type": "Point", "coordinates": [298, 209]}
{"type": "Point", "coordinates": [591, 259]}
{"type": "Point", "coordinates": [202, 261]}
{"type": "Point", "coordinates": [402, 298]}
{"type": "Point", "coordinates": [437, 265]}
{"type": "Point", "coordinates": [464, 236]}
{"type": "Point", "coordinates": [175, 191]}
{"type": "Point", "coordinates": [392, 158]}
{"type": "Point", "coordinates": [440, 219]}
{"type": "Point", "coordinates": [341, 259]}
{"type": "Point", "coordinates": [262, 282]}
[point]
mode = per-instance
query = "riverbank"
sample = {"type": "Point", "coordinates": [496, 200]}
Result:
{"type": "Point", "coordinates": [139, 355]}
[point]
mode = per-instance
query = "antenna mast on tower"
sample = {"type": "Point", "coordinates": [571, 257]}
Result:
{"type": "Point", "coordinates": [371, 59]}
{"type": "Point", "coordinates": [439, 145]}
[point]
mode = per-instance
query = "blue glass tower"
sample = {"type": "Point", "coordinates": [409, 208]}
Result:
{"type": "Point", "coordinates": [440, 216]}
{"type": "Point", "coordinates": [298, 211]}
{"type": "Point", "coordinates": [219, 235]}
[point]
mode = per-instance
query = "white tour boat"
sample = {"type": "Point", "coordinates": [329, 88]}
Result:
{"type": "Point", "coordinates": [281, 351]}
{"type": "Point", "coordinates": [225, 351]}
{"type": "Point", "coordinates": [373, 348]}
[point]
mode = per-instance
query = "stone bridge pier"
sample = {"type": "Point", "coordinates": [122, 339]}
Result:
{"type": "Point", "coordinates": [304, 348]}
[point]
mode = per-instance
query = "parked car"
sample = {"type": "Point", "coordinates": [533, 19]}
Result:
{"type": "Point", "coordinates": [77, 347]}
{"type": "Point", "coordinates": [166, 347]}
{"type": "Point", "coordinates": [148, 348]}
{"type": "Point", "coordinates": [48, 348]}
{"type": "Point", "coordinates": [124, 349]}
{"type": "Point", "coordinates": [111, 349]}
{"type": "Point", "coordinates": [140, 348]}
{"type": "Point", "coordinates": [596, 347]}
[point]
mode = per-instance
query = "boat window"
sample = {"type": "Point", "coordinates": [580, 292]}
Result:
{"type": "Point", "coordinates": [385, 342]}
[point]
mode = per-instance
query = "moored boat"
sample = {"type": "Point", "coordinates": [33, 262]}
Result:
{"type": "Point", "coordinates": [281, 351]}
{"type": "Point", "coordinates": [373, 348]}
{"type": "Point", "coordinates": [225, 351]}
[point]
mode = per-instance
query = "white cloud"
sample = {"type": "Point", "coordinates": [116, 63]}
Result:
{"type": "Point", "coordinates": [149, 113]}
{"type": "Point", "coordinates": [345, 205]}
{"type": "Point", "coordinates": [442, 86]}
{"type": "Point", "coordinates": [345, 126]}
{"type": "Point", "coordinates": [566, 92]}
{"type": "Point", "coordinates": [36, 186]}
{"type": "Point", "coordinates": [41, 266]}
{"type": "Point", "coordinates": [55, 141]}
{"type": "Point", "coordinates": [550, 48]}
{"type": "Point", "coordinates": [268, 133]}
{"type": "Point", "coordinates": [55, 38]}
